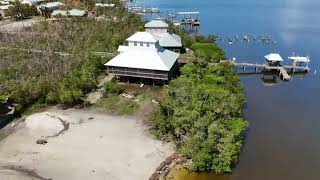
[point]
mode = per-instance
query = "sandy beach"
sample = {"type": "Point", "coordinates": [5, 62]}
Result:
{"type": "Point", "coordinates": [81, 145]}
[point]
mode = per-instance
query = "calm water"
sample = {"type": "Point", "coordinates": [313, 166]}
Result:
{"type": "Point", "coordinates": [284, 136]}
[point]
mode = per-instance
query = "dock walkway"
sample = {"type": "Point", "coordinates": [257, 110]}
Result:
{"type": "Point", "coordinates": [282, 69]}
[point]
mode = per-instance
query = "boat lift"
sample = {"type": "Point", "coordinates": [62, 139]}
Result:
{"type": "Point", "coordinates": [191, 18]}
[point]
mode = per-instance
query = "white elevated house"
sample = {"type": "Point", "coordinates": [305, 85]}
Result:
{"type": "Point", "coordinates": [159, 29]}
{"type": "Point", "coordinates": [144, 58]}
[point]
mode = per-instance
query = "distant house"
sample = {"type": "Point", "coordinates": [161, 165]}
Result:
{"type": "Point", "coordinates": [77, 13]}
{"type": "Point", "coordinates": [105, 5]}
{"type": "Point", "coordinates": [3, 9]}
{"type": "Point", "coordinates": [51, 5]}
{"type": "Point", "coordinates": [159, 29]}
{"type": "Point", "coordinates": [32, 2]}
{"type": "Point", "coordinates": [57, 13]}
{"type": "Point", "coordinates": [144, 58]}
{"type": "Point", "coordinates": [70, 13]}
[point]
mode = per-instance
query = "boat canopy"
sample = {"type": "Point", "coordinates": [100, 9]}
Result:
{"type": "Point", "coordinates": [299, 59]}
{"type": "Point", "coordinates": [274, 57]}
{"type": "Point", "coordinates": [189, 13]}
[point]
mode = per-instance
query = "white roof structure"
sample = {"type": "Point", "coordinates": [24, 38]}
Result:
{"type": "Point", "coordinates": [151, 57]}
{"type": "Point", "coordinates": [142, 37]}
{"type": "Point", "coordinates": [31, 2]}
{"type": "Point", "coordinates": [104, 5]}
{"type": "Point", "coordinates": [300, 59]}
{"type": "Point", "coordinates": [144, 58]}
{"type": "Point", "coordinates": [275, 57]}
{"type": "Point", "coordinates": [168, 39]}
{"type": "Point", "coordinates": [51, 5]}
{"type": "Point", "coordinates": [4, 2]}
{"type": "Point", "coordinates": [123, 49]}
{"type": "Point", "coordinates": [156, 24]}
{"type": "Point", "coordinates": [5, 7]}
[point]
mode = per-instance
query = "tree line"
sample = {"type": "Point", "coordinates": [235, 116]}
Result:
{"type": "Point", "coordinates": [45, 77]}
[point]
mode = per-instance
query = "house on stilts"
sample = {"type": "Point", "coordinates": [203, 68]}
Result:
{"type": "Point", "coordinates": [144, 59]}
{"type": "Point", "coordinates": [149, 56]}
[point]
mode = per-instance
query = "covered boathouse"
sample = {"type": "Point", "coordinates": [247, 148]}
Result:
{"type": "Point", "coordinates": [144, 58]}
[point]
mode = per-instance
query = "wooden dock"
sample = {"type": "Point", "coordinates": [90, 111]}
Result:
{"type": "Point", "coordinates": [283, 70]}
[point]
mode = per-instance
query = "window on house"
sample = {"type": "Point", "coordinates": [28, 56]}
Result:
{"type": "Point", "coordinates": [148, 44]}
{"type": "Point", "coordinates": [135, 43]}
{"type": "Point", "coordinates": [141, 43]}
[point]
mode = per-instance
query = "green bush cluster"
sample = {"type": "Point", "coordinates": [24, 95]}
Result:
{"type": "Point", "coordinates": [203, 115]}
{"type": "Point", "coordinates": [208, 51]}
{"type": "Point", "coordinates": [21, 11]}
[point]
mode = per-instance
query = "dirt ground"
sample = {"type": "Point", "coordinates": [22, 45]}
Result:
{"type": "Point", "coordinates": [81, 145]}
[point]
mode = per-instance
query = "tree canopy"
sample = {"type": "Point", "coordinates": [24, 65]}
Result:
{"type": "Point", "coordinates": [203, 115]}
{"type": "Point", "coordinates": [21, 11]}
{"type": "Point", "coordinates": [54, 62]}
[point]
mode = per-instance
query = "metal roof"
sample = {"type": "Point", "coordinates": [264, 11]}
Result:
{"type": "Point", "coordinates": [76, 12]}
{"type": "Point", "coordinates": [142, 37]}
{"type": "Point", "coordinates": [104, 5]}
{"type": "Point", "coordinates": [168, 39]}
{"type": "Point", "coordinates": [300, 59]}
{"type": "Point", "coordinates": [32, 2]}
{"type": "Point", "coordinates": [51, 5]}
{"type": "Point", "coordinates": [156, 24]}
{"type": "Point", "coordinates": [145, 58]}
{"type": "Point", "coordinates": [274, 57]}
{"type": "Point", "coordinates": [59, 12]}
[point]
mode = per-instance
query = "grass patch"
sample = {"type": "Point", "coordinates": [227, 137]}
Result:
{"type": "Point", "coordinates": [117, 105]}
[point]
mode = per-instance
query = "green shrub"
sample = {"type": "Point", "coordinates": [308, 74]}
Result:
{"type": "Point", "coordinates": [21, 11]}
{"type": "Point", "coordinates": [128, 107]}
{"type": "Point", "coordinates": [209, 51]}
{"type": "Point", "coordinates": [112, 88]}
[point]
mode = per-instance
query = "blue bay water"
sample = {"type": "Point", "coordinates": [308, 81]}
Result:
{"type": "Point", "coordinates": [283, 141]}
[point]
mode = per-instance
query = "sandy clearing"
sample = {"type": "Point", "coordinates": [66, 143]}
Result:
{"type": "Point", "coordinates": [95, 147]}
